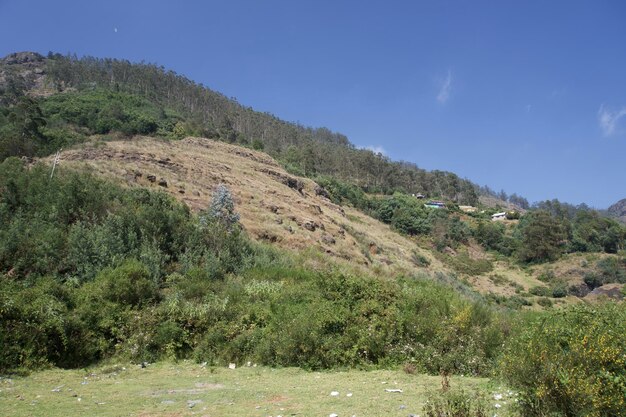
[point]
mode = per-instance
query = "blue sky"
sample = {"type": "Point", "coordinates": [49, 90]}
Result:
{"type": "Point", "coordinates": [526, 96]}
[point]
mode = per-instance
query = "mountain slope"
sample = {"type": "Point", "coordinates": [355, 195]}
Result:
{"type": "Point", "coordinates": [190, 109]}
{"type": "Point", "coordinates": [274, 205]}
{"type": "Point", "coordinates": [618, 210]}
{"type": "Point", "coordinates": [288, 211]}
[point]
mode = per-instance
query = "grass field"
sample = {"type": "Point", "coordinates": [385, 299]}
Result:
{"type": "Point", "coordinates": [186, 389]}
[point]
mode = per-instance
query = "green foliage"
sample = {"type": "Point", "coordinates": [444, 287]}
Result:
{"type": "Point", "coordinates": [344, 193]}
{"type": "Point", "coordinates": [37, 127]}
{"type": "Point", "coordinates": [559, 290]}
{"type": "Point", "coordinates": [257, 145]}
{"type": "Point", "coordinates": [73, 225]}
{"type": "Point", "coordinates": [447, 231]}
{"type": "Point", "coordinates": [304, 150]}
{"type": "Point", "coordinates": [542, 237]}
{"type": "Point", "coordinates": [128, 285]}
{"type": "Point", "coordinates": [455, 403]}
{"type": "Point", "coordinates": [544, 302]}
{"type": "Point", "coordinates": [32, 324]}
{"type": "Point", "coordinates": [592, 233]}
{"type": "Point", "coordinates": [570, 362]}
{"type": "Point", "coordinates": [102, 111]}
{"type": "Point", "coordinates": [493, 236]}
{"type": "Point", "coordinates": [540, 291]}
{"type": "Point", "coordinates": [404, 213]}
{"type": "Point", "coordinates": [21, 129]}
{"type": "Point", "coordinates": [608, 270]}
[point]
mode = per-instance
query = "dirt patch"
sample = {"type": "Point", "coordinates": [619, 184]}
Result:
{"type": "Point", "coordinates": [476, 252]}
{"type": "Point", "coordinates": [209, 385]}
{"type": "Point", "coordinates": [277, 399]}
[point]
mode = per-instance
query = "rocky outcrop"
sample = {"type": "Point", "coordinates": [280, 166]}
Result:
{"type": "Point", "coordinates": [618, 210]}
{"type": "Point", "coordinates": [23, 70]}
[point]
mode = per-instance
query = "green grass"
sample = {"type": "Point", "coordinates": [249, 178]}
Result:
{"type": "Point", "coordinates": [164, 389]}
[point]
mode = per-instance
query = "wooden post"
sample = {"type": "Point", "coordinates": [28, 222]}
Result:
{"type": "Point", "coordinates": [56, 161]}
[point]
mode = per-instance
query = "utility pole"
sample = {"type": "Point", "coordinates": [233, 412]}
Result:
{"type": "Point", "coordinates": [56, 161]}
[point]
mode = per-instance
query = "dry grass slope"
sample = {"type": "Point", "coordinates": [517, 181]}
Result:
{"type": "Point", "coordinates": [274, 205]}
{"type": "Point", "coordinates": [285, 210]}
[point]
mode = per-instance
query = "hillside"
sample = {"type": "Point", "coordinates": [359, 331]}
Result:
{"type": "Point", "coordinates": [165, 236]}
{"type": "Point", "coordinates": [275, 206]}
{"type": "Point", "coordinates": [180, 107]}
{"type": "Point", "coordinates": [295, 213]}
{"type": "Point", "coordinates": [618, 210]}
{"type": "Point", "coordinates": [59, 101]}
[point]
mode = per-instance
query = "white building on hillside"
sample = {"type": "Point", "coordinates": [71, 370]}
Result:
{"type": "Point", "coordinates": [499, 216]}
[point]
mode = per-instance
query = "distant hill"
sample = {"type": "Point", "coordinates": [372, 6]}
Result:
{"type": "Point", "coordinates": [618, 210]}
{"type": "Point", "coordinates": [186, 108]}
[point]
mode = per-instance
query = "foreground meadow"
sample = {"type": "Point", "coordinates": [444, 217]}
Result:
{"type": "Point", "coordinates": [186, 389]}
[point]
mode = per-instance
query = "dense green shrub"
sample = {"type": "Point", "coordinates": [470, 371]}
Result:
{"type": "Point", "coordinates": [455, 403]}
{"type": "Point", "coordinates": [593, 233]}
{"type": "Point", "coordinates": [559, 290]}
{"type": "Point", "coordinates": [128, 285]}
{"type": "Point", "coordinates": [540, 291]}
{"type": "Point", "coordinates": [343, 193]}
{"type": "Point", "coordinates": [570, 362]}
{"type": "Point", "coordinates": [544, 302]}
{"type": "Point", "coordinates": [32, 324]}
{"type": "Point", "coordinates": [493, 236]}
{"type": "Point", "coordinates": [102, 111]}
{"type": "Point", "coordinates": [73, 225]}
{"type": "Point", "coordinates": [542, 237]}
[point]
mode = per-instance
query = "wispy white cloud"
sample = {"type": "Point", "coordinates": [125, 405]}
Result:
{"type": "Point", "coordinates": [376, 149]}
{"type": "Point", "coordinates": [446, 88]}
{"type": "Point", "coordinates": [609, 119]}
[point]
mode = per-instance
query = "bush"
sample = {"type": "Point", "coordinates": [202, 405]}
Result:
{"type": "Point", "coordinates": [559, 291]}
{"type": "Point", "coordinates": [570, 362]}
{"type": "Point", "coordinates": [129, 285]}
{"type": "Point", "coordinates": [593, 280]}
{"type": "Point", "coordinates": [38, 327]}
{"type": "Point", "coordinates": [540, 291]}
{"type": "Point", "coordinates": [342, 192]}
{"type": "Point", "coordinates": [544, 302]}
{"type": "Point", "coordinates": [456, 403]}
{"type": "Point", "coordinates": [419, 259]}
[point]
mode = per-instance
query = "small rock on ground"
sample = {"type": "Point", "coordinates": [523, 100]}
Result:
{"type": "Point", "coordinates": [193, 403]}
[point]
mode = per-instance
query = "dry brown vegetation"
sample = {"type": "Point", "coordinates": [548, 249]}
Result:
{"type": "Point", "coordinates": [286, 210]}
{"type": "Point", "coordinates": [274, 205]}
